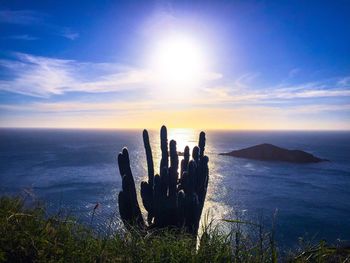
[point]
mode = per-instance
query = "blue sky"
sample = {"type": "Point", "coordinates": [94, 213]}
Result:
{"type": "Point", "coordinates": [268, 64]}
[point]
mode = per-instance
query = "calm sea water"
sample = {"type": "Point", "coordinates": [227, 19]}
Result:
{"type": "Point", "coordinates": [72, 170]}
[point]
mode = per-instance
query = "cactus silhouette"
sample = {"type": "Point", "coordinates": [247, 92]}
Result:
{"type": "Point", "coordinates": [171, 199]}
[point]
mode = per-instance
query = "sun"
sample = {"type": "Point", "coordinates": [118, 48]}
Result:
{"type": "Point", "coordinates": [178, 60]}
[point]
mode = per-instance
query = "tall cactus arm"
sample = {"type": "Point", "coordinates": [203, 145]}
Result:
{"type": "Point", "coordinates": [128, 205]}
{"type": "Point", "coordinates": [173, 174]}
{"type": "Point", "coordinates": [202, 174]}
{"type": "Point", "coordinates": [149, 157]}
{"type": "Point", "coordinates": [185, 160]}
{"type": "Point", "coordinates": [147, 187]}
{"type": "Point", "coordinates": [164, 162]}
{"type": "Point", "coordinates": [201, 144]}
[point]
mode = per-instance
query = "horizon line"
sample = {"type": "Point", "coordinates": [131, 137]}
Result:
{"type": "Point", "coordinates": [177, 128]}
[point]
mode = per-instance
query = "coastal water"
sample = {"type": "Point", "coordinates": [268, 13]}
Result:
{"type": "Point", "coordinates": [73, 170]}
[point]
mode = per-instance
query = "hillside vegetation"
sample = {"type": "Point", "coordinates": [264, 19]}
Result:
{"type": "Point", "coordinates": [27, 234]}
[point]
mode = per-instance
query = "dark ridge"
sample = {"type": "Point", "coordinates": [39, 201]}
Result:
{"type": "Point", "coordinates": [269, 152]}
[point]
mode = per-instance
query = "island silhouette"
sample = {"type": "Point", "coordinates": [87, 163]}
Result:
{"type": "Point", "coordinates": [270, 152]}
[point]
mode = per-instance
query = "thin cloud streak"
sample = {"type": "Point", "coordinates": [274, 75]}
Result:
{"type": "Point", "coordinates": [68, 33]}
{"type": "Point", "coordinates": [227, 94]}
{"type": "Point", "coordinates": [34, 19]}
{"type": "Point", "coordinates": [43, 77]}
{"type": "Point", "coordinates": [136, 106]}
{"type": "Point", "coordinates": [21, 37]}
{"type": "Point", "coordinates": [22, 17]}
{"type": "Point", "coordinates": [77, 106]}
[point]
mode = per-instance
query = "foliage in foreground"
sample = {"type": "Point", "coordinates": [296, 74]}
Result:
{"type": "Point", "coordinates": [27, 235]}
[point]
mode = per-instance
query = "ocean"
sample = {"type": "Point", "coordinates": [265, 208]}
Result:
{"type": "Point", "coordinates": [73, 170]}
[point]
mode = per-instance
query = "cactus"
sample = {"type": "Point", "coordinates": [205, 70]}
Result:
{"type": "Point", "coordinates": [171, 199]}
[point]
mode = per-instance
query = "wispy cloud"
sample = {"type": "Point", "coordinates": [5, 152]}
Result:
{"type": "Point", "coordinates": [344, 82]}
{"type": "Point", "coordinates": [293, 72]}
{"type": "Point", "coordinates": [76, 106]}
{"type": "Point", "coordinates": [22, 17]}
{"type": "Point", "coordinates": [245, 80]}
{"type": "Point", "coordinates": [42, 76]}
{"type": "Point", "coordinates": [25, 37]}
{"type": "Point", "coordinates": [68, 33]}
{"type": "Point", "coordinates": [35, 18]}
{"type": "Point", "coordinates": [227, 94]}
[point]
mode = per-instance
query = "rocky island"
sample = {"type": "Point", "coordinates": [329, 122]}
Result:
{"type": "Point", "coordinates": [269, 152]}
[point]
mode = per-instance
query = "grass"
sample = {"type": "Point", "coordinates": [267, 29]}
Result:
{"type": "Point", "coordinates": [29, 235]}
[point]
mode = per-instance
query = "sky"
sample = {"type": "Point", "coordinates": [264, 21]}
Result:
{"type": "Point", "coordinates": [260, 65]}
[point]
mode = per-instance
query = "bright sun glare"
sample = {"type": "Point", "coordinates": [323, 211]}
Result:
{"type": "Point", "coordinates": [178, 60]}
